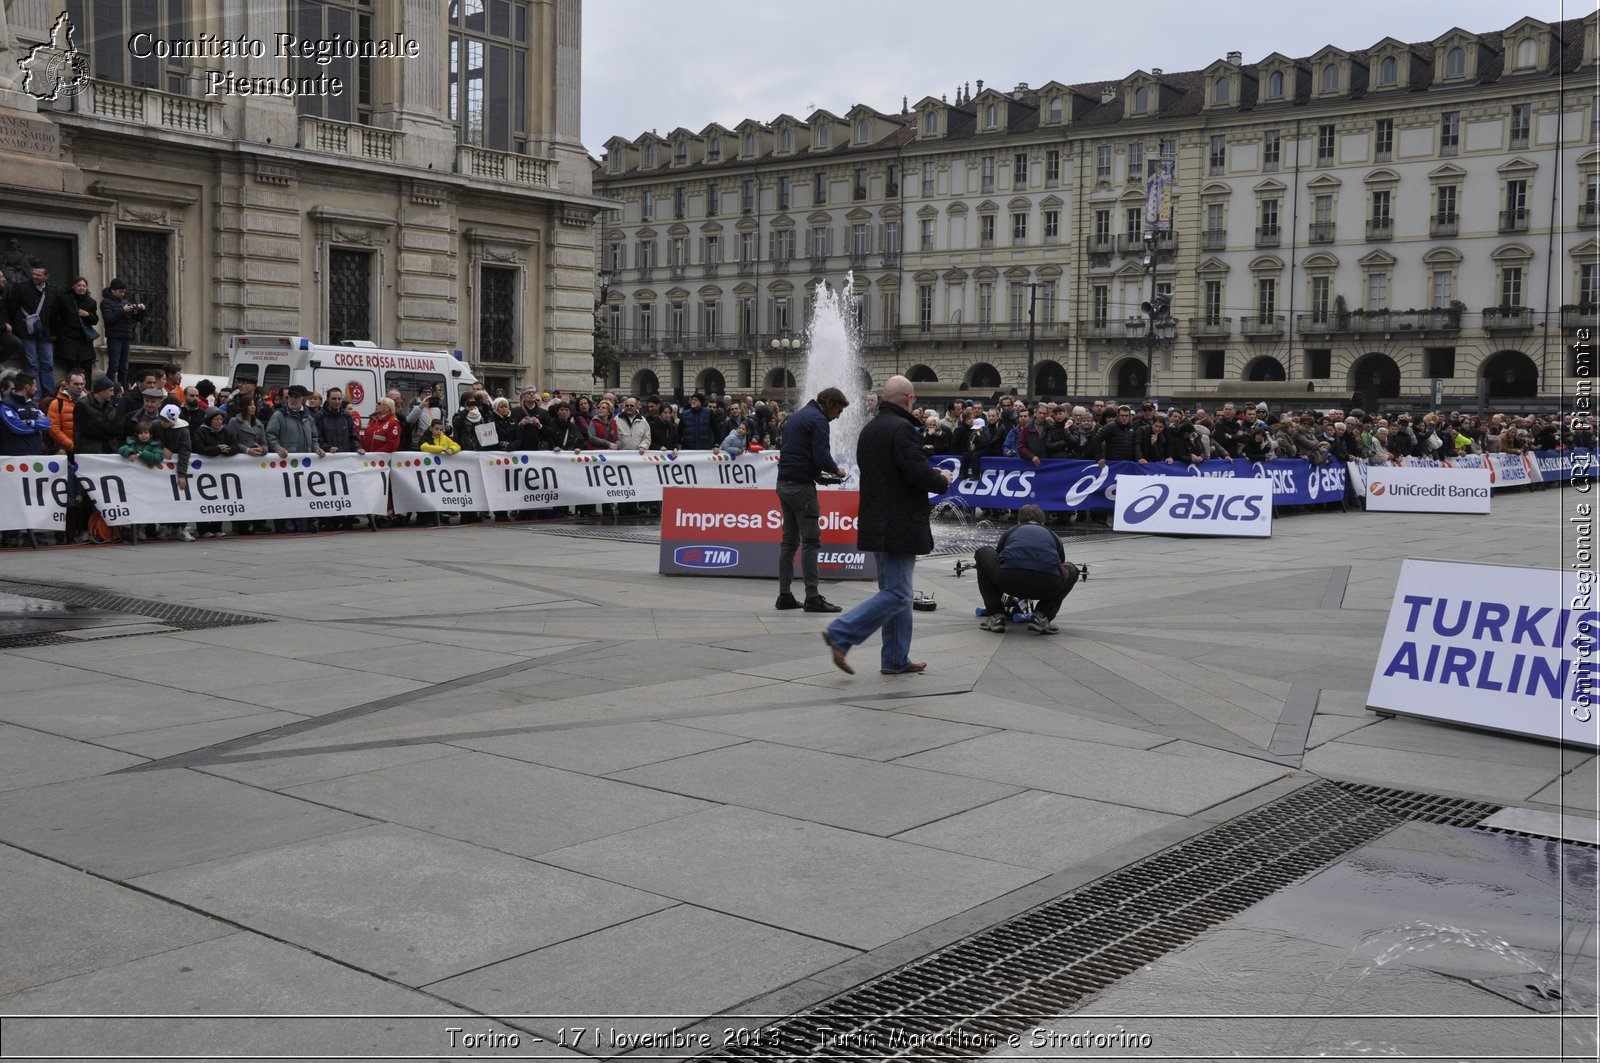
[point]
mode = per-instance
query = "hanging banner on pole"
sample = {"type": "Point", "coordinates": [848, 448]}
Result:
{"type": "Point", "coordinates": [1158, 195]}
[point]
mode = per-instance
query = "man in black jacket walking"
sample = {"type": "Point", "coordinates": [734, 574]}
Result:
{"type": "Point", "coordinates": [896, 481]}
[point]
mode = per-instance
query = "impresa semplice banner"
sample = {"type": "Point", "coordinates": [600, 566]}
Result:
{"type": "Point", "coordinates": [234, 488]}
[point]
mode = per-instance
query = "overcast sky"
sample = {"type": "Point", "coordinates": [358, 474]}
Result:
{"type": "Point", "coordinates": [660, 64]}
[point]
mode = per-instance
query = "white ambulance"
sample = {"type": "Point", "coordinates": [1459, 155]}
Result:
{"type": "Point", "coordinates": [362, 370]}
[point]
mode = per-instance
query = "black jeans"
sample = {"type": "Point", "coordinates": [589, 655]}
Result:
{"type": "Point", "coordinates": [1045, 589]}
{"type": "Point", "coordinates": [800, 529]}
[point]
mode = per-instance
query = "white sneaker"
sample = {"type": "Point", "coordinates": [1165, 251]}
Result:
{"type": "Point", "coordinates": [186, 536]}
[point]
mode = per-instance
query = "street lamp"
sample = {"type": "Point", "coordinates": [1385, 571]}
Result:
{"type": "Point", "coordinates": [783, 346]}
{"type": "Point", "coordinates": [1158, 310]}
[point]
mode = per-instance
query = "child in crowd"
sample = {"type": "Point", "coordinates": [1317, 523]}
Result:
{"type": "Point", "coordinates": [142, 447]}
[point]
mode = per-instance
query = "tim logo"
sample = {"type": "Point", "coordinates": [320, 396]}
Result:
{"type": "Point", "coordinates": [705, 556]}
{"type": "Point", "coordinates": [1376, 488]}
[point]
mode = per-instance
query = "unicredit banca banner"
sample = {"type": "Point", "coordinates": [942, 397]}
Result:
{"type": "Point", "coordinates": [1070, 484]}
{"type": "Point", "coordinates": [234, 488]}
{"type": "Point", "coordinates": [1511, 649]}
{"type": "Point", "coordinates": [718, 532]}
{"type": "Point", "coordinates": [1410, 489]}
{"type": "Point", "coordinates": [1185, 505]}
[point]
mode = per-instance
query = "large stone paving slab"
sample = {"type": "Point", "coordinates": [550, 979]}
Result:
{"type": "Point", "coordinates": [837, 885]}
{"type": "Point", "coordinates": [844, 729]}
{"type": "Point", "coordinates": [648, 975]}
{"type": "Point", "coordinates": [1162, 782]}
{"type": "Point", "coordinates": [59, 922]}
{"type": "Point", "coordinates": [1488, 779]}
{"type": "Point", "coordinates": [403, 904]}
{"type": "Point", "coordinates": [1040, 830]}
{"type": "Point", "coordinates": [603, 749]}
{"type": "Point", "coordinates": [509, 805]}
{"type": "Point", "coordinates": [132, 824]}
{"type": "Point", "coordinates": [32, 758]}
{"type": "Point", "coordinates": [845, 792]}
{"type": "Point", "coordinates": [109, 706]}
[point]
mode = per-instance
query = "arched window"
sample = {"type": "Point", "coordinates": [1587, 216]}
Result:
{"type": "Point", "coordinates": [649, 154]}
{"type": "Point", "coordinates": [821, 136]}
{"type": "Point", "coordinates": [1141, 100]}
{"type": "Point", "coordinates": [1275, 84]}
{"type": "Point", "coordinates": [749, 143]}
{"type": "Point", "coordinates": [683, 150]}
{"type": "Point", "coordinates": [930, 123]}
{"type": "Point", "coordinates": [1055, 108]}
{"type": "Point", "coordinates": [1330, 78]}
{"type": "Point", "coordinates": [716, 147]}
{"type": "Point", "coordinates": [1220, 91]}
{"type": "Point", "coordinates": [863, 130]}
{"type": "Point", "coordinates": [788, 140]}
{"type": "Point", "coordinates": [1527, 53]}
{"type": "Point", "coordinates": [989, 114]}
{"type": "Point", "coordinates": [1388, 71]}
{"type": "Point", "coordinates": [1455, 62]}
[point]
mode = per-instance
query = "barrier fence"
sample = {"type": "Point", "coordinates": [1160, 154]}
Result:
{"type": "Point", "coordinates": [35, 492]}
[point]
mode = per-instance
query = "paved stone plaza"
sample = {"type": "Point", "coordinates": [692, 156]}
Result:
{"type": "Point", "coordinates": [491, 773]}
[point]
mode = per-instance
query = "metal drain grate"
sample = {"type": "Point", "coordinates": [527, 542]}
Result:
{"type": "Point", "coordinates": [964, 1000]}
{"type": "Point", "coordinates": [172, 614]}
{"type": "Point", "coordinates": [1428, 808]}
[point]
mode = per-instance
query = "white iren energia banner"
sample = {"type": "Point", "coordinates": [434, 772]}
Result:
{"type": "Point", "coordinates": [1511, 649]}
{"type": "Point", "coordinates": [304, 485]}
{"type": "Point", "coordinates": [234, 488]}
{"type": "Point", "coordinates": [34, 492]}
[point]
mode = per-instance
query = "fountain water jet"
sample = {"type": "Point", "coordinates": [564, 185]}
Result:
{"type": "Point", "coordinates": [833, 361]}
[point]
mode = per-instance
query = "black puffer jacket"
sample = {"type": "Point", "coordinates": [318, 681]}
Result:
{"type": "Point", "coordinates": [896, 481]}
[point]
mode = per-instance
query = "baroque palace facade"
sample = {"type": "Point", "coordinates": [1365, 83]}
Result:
{"type": "Point", "coordinates": [409, 174]}
{"type": "Point", "coordinates": [1362, 223]}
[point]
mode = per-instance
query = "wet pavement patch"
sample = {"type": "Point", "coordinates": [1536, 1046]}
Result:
{"type": "Point", "coordinates": [43, 614]}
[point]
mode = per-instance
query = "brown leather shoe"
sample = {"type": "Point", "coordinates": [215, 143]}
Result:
{"type": "Point", "coordinates": [838, 656]}
{"type": "Point", "coordinates": [910, 669]}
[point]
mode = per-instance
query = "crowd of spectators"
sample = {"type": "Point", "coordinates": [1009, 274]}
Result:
{"type": "Point", "coordinates": [156, 417]}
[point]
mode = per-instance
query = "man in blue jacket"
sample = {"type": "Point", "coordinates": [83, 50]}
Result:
{"type": "Point", "coordinates": [805, 459]}
{"type": "Point", "coordinates": [1028, 562]}
{"type": "Point", "coordinates": [697, 426]}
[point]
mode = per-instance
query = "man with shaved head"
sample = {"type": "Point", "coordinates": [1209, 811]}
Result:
{"type": "Point", "coordinates": [896, 481]}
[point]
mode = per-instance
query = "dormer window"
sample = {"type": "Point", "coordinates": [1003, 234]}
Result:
{"type": "Point", "coordinates": [649, 154]}
{"type": "Point", "coordinates": [683, 150]}
{"type": "Point", "coordinates": [1527, 53]}
{"type": "Point", "coordinates": [821, 136]}
{"type": "Point", "coordinates": [1455, 62]}
{"type": "Point", "coordinates": [788, 140]}
{"type": "Point", "coordinates": [1388, 71]}
{"type": "Point", "coordinates": [930, 123]}
{"type": "Point", "coordinates": [1141, 100]}
{"type": "Point", "coordinates": [715, 150]}
{"type": "Point", "coordinates": [1330, 78]}
{"type": "Point", "coordinates": [1220, 91]}
{"type": "Point", "coordinates": [990, 114]}
{"type": "Point", "coordinates": [1055, 108]}
{"type": "Point", "coordinates": [616, 162]}
{"type": "Point", "coordinates": [1275, 85]}
{"type": "Point", "coordinates": [750, 144]}
{"type": "Point", "coordinates": [863, 130]}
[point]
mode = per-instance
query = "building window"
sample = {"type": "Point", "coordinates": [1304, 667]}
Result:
{"type": "Point", "coordinates": [1330, 78]}
{"type": "Point", "coordinates": [985, 305]}
{"type": "Point", "coordinates": [1136, 162]}
{"type": "Point", "coordinates": [930, 123]}
{"type": "Point", "coordinates": [819, 187]}
{"type": "Point", "coordinates": [614, 256]}
{"type": "Point", "coordinates": [782, 245]}
{"type": "Point", "coordinates": [925, 307]}
{"type": "Point", "coordinates": [1449, 132]}
{"type": "Point", "coordinates": [1102, 227]}
{"type": "Point", "coordinates": [497, 314]}
{"type": "Point", "coordinates": [1221, 90]}
{"type": "Point", "coordinates": [820, 136]}
{"type": "Point", "coordinates": [682, 152]}
{"type": "Point", "coordinates": [1275, 85]}
{"type": "Point", "coordinates": [488, 80]}
{"type": "Point", "coordinates": [747, 196]}
{"type": "Point", "coordinates": [786, 140]}
{"type": "Point", "coordinates": [1141, 100]}
{"type": "Point", "coordinates": [1211, 303]}
{"type": "Point", "coordinates": [680, 201]}
{"type": "Point", "coordinates": [713, 200]}
{"type": "Point", "coordinates": [1102, 163]}
{"type": "Point", "coordinates": [144, 261]}
{"type": "Point", "coordinates": [1218, 157]}
{"type": "Point", "coordinates": [986, 230]}
{"type": "Point", "coordinates": [1319, 299]}
{"type": "Point", "coordinates": [1169, 149]}
{"type": "Point", "coordinates": [1134, 217]}
{"type": "Point", "coordinates": [747, 248]}
{"type": "Point", "coordinates": [925, 234]}
{"type": "Point", "coordinates": [1388, 71]}
{"type": "Point", "coordinates": [1266, 299]}
{"type": "Point", "coordinates": [324, 21]}
{"type": "Point", "coordinates": [104, 29]}
{"type": "Point", "coordinates": [747, 317]}
{"type": "Point", "coordinates": [678, 252]}
{"type": "Point", "coordinates": [616, 161]}
{"type": "Point", "coordinates": [1045, 310]}
{"type": "Point", "coordinates": [714, 151]}
{"type": "Point", "coordinates": [863, 130]}
{"type": "Point", "coordinates": [783, 192]}
{"type": "Point", "coordinates": [1325, 140]}
{"type": "Point", "coordinates": [819, 242]}
{"type": "Point", "coordinates": [1442, 283]}
{"type": "Point", "coordinates": [926, 188]}
{"type": "Point", "coordinates": [647, 257]}
{"type": "Point", "coordinates": [1527, 53]}
{"type": "Point", "coordinates": [1377, 291]}
{"type": "Point", "coordinates": [1271, 150]}
{"type": "Point", "coordinates": [677, 323]}
{"type": "Point", "coordinates": [349, 295]}
{"type": "Point", "coordinates": [1019, 229]}
{"type": "Point", "coordinates": [1269, 217]}
{"type": "Point", "coordinates": [647, 204]}
{"type": "Point", "coordinates": [1515, 218]}
{"type": "Point", "coordinates": [1383, 141]}
{"type": "Point", "coordinates": [891, 238]}
{"type": "Point", "coordinates": [780, 313]}
{"type": "Point", "coordinates": [1511, 287]}
{"type": "Point", "coordinates": [858, 243]}
{"type": "Point", "coordinates": [1521, 124]}
{"type": "Point", "coordinates": [988, 173]}
{"type": "Point", "coordinates": [749, 145]}
{"type": "Point", "coordinates": [710, 319]}
{"type": "Point", "coordinates": [1019, 305]}
{"type": "Point", "coordinates": [1052, 226]}
{"type": "Point", "coordinates": [1055, 108]}
{"type": "Point", "coordinates": [991, 115]}
{"type": "Point", "coordinates": [1052, 167]}
{"type": "Point", "coordinates": [1019, 170]}
{"type": "Point", "coordinates": [892, 185]}
{"type": "Point", "coordinates": [1100, 305]}
{"type": "Point", "coordinates": [1445, 205]}
{"type": "Point", "coordinates": [1455, 62]}
{"type": "Point", "coordinates": [1589, 286]}
{"type": "Point", "coordinates": [860, 183]}
{"type": "Point", "coordinates": [714, 250]}
{"type": "Point", "coordinates": [647, 321]}
{"type": "Point", "coordinates": [614, 324]}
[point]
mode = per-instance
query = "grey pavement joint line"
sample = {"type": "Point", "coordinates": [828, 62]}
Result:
{"type": "Point", "coordinates": [1294, 725]}
{"type": "Point", "coordinates": [1338, 580]}
{"type": "Point", "coordinates": [467, 570]}
{"type": "Point", "coordinates": [207, 754]}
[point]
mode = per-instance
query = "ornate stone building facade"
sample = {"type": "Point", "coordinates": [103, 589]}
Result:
{"type": "Point", "coordinates": [1364, 223]}
{"type": "Point", "coordinates": [438, 198]}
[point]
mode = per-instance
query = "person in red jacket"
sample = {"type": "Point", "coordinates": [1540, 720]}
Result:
{"type": "Point", "coordinates": [383, 432]}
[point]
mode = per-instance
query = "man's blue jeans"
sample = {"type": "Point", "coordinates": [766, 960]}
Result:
{"type": "Point", "coordinates": [889, 609]}
{"type": "Point", "coordinates": [41, 355]}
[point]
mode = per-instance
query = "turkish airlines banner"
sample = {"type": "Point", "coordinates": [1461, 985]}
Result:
{"type": "Point", "coordinates": [1510, 649]}
{"type": "Point", "coordinates": [1408, 489]}
{"type": "Point", "coordinates": [719, 532]}
{"type": "Point", "coordinates": [1070, 484]}
{"type": "Point", "coordinates": [1186, 505]}
{"type": "Point", "coordinates": [34, 493]}
{"type": "Point", "coordinates": [235, 488]}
